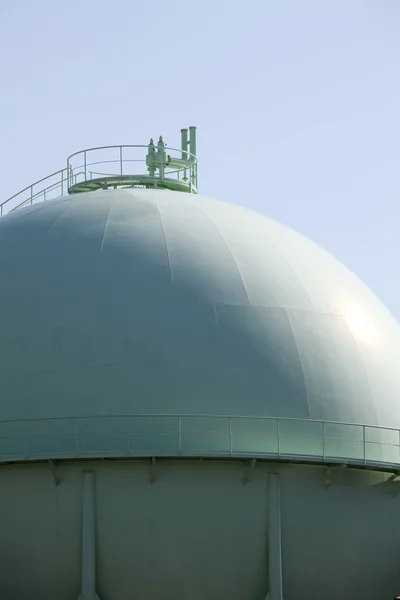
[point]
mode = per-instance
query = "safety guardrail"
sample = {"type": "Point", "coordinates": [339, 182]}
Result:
{"type": "Point", "coordinates": [116, 166]}
{"type": "Point", "coordinates": [199, 436]}
{"type": "Point", "coordinates": [48, 188]}
{"type": "Point", "coordinates": [112, 166]}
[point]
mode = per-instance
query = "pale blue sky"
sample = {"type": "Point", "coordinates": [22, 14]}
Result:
{"type": "Point", "coordinates": [297, 104]}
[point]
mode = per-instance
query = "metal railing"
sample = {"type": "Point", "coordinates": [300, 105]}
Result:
{"type": "Point", "coordinates": [109, 166]}
{"type": "Point", "coordinates": [200, 436]}
{"type": "Point", "coordinates": [49, 187]}
{"type": "Point", "coordinates": [113, 166]}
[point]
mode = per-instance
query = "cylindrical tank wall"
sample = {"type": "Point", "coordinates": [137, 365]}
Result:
{"type": "Point", "coordinates": [340, 532]}
{"type": "Point", "coordinates": [195, 532]}
{"type": "Point", "coordinates": [198, 529]}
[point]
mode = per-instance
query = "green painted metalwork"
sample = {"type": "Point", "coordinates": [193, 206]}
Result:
{"type": "Point", "coordinates": [112, 166]}
{"type": "Point", "coordinates": [184, 146]}
{"type": "Point", "coordinates": [116, 166]}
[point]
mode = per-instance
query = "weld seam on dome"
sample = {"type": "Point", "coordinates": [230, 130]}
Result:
{"type": "Point", "coordinates": [300, 363]}
{"type": "Point", "coordinates": [365, 371]}
{"type": "Point", "coordinates": [273, 307]}
{"type": "Point", "coordinates": [105, 226]}
{"type": "Point", "coordinates": [62, 213]}
{"type": "Point", "coordinates": [165, 238]}
{"type": "Point", "coordinates": [228, 249]}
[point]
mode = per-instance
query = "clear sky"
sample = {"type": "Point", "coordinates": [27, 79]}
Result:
{"type": "Point", "coordinates": [297, 104]}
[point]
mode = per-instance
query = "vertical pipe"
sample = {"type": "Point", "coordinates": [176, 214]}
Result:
{"type": "Point", "coordinates": [193, 150]}
{"type": "Point", "coordinates": [184, 145]}
{"type": "Point", "coordinates": [274, 538]}
{"type": "Point", "coordinates": [161, 157]}
{"type": "Point", "coordinates": [192, 138]}
{"type": "Point", "coordinates": [88, 538]}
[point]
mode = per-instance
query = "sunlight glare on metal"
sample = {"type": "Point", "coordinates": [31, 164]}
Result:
{"type": "Point", "coordinates": [360, 325]}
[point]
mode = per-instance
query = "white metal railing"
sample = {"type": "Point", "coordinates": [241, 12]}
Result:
{"type": "Point", "coordinates": [111, 166]}
{"type": "Point", "coordinates": [200, 436]}
{"type": "Point", "coordinates": [49, 187]}
{"type": "Point", "coordinates": [120, 165]}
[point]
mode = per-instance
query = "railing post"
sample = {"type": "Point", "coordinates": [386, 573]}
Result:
{"type": "Point", "coordinates": [323, 441]}
{"type": "Point", "coordinates": [399, 443]}
{"type": "Point", "coordinates": [77, 438]}
{"type": "Point", "coordinates": [277, 435]}
{"type": "Point", "coordinates": [195, 173]}
{"type": "Point", "coordinates": [120, 160]}
{"type": "Point", "coordinates": [364, 446]}
{"type": "Point", "coordinates": [84, 163]}
{"type": "Point", "coordinates": [180, 434]}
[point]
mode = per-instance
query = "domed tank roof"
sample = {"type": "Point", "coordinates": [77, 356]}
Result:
{"type": "Point", "coordinates": [139, 301]}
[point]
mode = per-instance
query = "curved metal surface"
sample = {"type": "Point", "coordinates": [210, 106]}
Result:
{"type": "Point", "coordinates": [139, 301]}
{"type": "Point", "coordinates": [119, 307]}
{"type": "Point", "coordinates": [187, 535]}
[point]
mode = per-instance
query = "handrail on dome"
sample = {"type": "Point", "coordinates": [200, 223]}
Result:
{"type": "Point", "coordinates": [106, 167]}
{"type": "Point", "coordinates": [49, 187]}
{"type": "Point", "coordinates": [202, 436]}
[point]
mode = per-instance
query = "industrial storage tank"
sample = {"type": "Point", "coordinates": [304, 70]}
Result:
{"type": "Point", "coordinates": [196, 402]}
